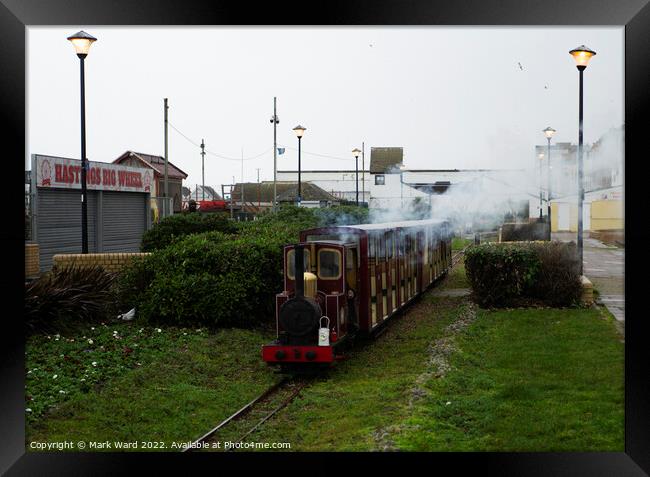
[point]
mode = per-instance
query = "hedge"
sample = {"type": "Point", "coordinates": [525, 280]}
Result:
{"type": "Point", "coordinates": [171, 228]}
{"type": "Point", "coordinates": [221, 278]}
{"type": "Point", "coordinates": [521, 273]}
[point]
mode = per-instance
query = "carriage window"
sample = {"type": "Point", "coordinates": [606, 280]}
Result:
{"type": "Point", "coordinates": [329, 264]}
{"type": "Point", "coordinates": [380, 179]}
{"type": "Point", "coordinates": [351, 259]}
{"type": "Point", "coordinates": [381, 247]}
{"type": "Point", "coordinates": [291, 262]}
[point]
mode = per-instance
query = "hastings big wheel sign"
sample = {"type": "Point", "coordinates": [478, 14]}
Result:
{"type": "Point", "coordinates": [57, 172]}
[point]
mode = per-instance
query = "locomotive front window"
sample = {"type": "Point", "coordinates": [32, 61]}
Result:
{"type": "Point", "coordinates": [329, 264]}
{"type": "Point", "coordinates": [291, 262]}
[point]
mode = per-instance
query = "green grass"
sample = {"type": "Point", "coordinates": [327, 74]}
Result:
{"type": "Point", "coordinates": [527, 380]}
{"type": "Point", "coordinates": [354, 405]}
{"type": "Point", "coordinates": [520, 380]}
{"type": "Point", "coordinates": [459, 243]}
{"type": "Point", "coordinates": [456, 278]}
{"type": "Point", "coordinates": [174, 385]}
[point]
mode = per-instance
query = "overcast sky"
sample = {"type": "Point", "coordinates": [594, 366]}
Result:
{"type": "Point", "coordinates": [451, 97]}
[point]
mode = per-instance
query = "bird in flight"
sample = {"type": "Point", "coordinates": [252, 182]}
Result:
{"type": "Point", "coordinates": [520, 67]}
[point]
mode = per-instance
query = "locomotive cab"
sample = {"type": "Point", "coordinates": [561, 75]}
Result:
{"type": "Point", "coordinates": [318, 309]}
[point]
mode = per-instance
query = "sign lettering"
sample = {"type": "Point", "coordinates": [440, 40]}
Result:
{"type": "Point", "coordinates": [58, 172]}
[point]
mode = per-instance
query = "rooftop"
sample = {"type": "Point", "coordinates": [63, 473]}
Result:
{"type": "Point", "coordinates": [157, 163]}
{"type": "Point", "coordinates": [287, 191]}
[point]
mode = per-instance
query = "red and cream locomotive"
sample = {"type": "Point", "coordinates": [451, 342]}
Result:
{"type": "Point", "coordinates": [347, 280]}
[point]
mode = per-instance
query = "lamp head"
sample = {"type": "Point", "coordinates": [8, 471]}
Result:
{"type": "Point", "coordinates": [81, 42]}
{"type": "Point", "coordinates": [299, 130]}
{"type": "Point", "coordinates": [582, 55]}
{"type": "Point", "coordinates": [356, 152]}
{"type": "Point", "coordinates": [548, 132]}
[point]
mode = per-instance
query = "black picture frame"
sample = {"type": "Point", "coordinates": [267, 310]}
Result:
{"type": "Point", "coordinates": [15, 15]}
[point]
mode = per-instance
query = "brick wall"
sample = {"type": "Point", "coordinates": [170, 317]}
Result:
{"type": "Point", "coordinates": [32, 265]}
{"type": "Point", "coordinates": [112, 262]}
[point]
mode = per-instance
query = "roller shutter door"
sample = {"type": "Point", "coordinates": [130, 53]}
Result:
{"type": "Point", "coordinates": [59, 223]}
{"type": "Point", "coordinates": [124, 220]}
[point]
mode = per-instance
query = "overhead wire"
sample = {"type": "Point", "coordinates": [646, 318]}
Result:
{"type": "Point", "coordinates": [221, 156]}
{"type": "Point", "coordinates": [250, 158]}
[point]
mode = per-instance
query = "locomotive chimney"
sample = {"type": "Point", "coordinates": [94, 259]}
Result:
{"type": "Point", "coordinates": [299, 261]}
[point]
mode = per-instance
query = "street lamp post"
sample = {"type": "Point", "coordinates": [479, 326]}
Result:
{"type": "Point", "coordinates": [548, 132]}
{"type": "Point", "coordinates": [581, 55]}
{"type": "Point", "coordinates": [299, 130]}
{"type": "Point", "coordinates": [81, 42]}
{"type": "Point", "coordinates": [356, 153]}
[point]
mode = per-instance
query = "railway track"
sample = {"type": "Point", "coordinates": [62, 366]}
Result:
{"type": "Point", "coordinates": [253, 415]}
{"type": "Point", "coordinates": [455, 257]}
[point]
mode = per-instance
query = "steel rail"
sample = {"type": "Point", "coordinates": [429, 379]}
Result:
{"type": "Point", "coordinates": [282, 405]}
{"type": "Point", "coordinates": [244, 410]}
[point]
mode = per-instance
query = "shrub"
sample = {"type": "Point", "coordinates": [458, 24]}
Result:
{"type": "Point", "coordinates": [209, 278]}
{"type": "Point", "coordinates": [558, 279]}
{"type": "Point", "coordinates": [66, 295]}
{"type": "Point", "coordinates": [342, 215]}
{"type": "Point", "coordinates": [500, 273]}
{"type": "Point", "coordinates": [222, 278]}
{"type": "Point", "coordinates": [516, 273]}
{"type": "Point", "coordinates": [171, 228]}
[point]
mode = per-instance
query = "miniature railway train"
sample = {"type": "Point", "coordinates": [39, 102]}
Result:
{"type": "Point", "coordinates": [354, 279]}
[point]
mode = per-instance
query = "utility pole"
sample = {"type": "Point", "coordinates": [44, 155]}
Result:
{"type": "Point", "coordinates": [166, 185]}
{"type": "Point", "coordinates": [203, 168]}
{"type": "Point", "coordinates": [242, 180]}
{"type": "Point", "coordinates": [275, 120]}
{"type": "Point", "coordinates": [258, 190]}
{"type": "Point", "coordinates": [232, 190]}
{"type": "Point", "coordinates": [363, 172]}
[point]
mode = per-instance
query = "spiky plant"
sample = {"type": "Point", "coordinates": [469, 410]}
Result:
{"type": "Point", "coordinates": [67, 295]}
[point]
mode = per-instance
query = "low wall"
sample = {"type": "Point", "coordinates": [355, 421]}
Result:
{"type": "Point", "coordinates": [32, 264]}
{"type": "Point", "coordinates": [587, 297]}
{"type": "Point", "coordinates": [111, 262]}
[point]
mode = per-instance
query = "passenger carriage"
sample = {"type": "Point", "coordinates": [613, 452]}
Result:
{"type": "Point", "coordinates": [354, 279]}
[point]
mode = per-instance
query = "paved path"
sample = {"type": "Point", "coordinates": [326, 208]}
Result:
{"type": "Point", "coordinates": [604, 266]}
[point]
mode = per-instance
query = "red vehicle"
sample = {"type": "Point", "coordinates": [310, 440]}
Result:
{"type": "Point", "coordinates": [349, 280]}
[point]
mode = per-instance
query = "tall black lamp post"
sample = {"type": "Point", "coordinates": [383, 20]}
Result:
{"type": "Point", "coordinates": [299, 130]}
{"type": "Point", "coordinates": [356, 153]}
{"type": "Point", "coordinates": [581, 55]}
{"type": "Point", "coordinates": [548, 132]}
{"type": "Point", "coordinates": [81, 42]}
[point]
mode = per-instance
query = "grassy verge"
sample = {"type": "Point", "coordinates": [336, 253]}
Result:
{"type": "Point", "coordinates": [172, 386]}
{"type": "Point", "coordinates": [526, 380]}
{"type": "Point", "coordinates": [513, 380]}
